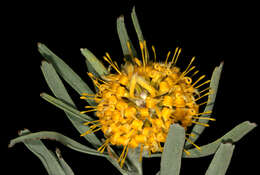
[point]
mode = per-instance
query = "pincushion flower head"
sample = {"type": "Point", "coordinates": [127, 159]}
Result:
{"type": "Point", "coordinates": [137, 103]}
{"type": "Point", "coordinates": [146, 107]}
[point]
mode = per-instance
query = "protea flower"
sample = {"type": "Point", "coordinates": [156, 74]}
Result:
{"type": "Point", "coordinates": [137, 104]}
{"type": "Point", "coordinates": [145, 107]}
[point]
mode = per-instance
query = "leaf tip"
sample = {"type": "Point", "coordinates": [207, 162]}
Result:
{"type": "Point", "coordinates": [42, 94]}
{"type": "Point", "coordinates": [58, 153]}
{"type": "Point", "coordinates": [44, 62]}
{"type": "Point", "coordinates": [133, 9]}
{"type": "Point", "coordinates": [10, 145]}
{"type": "Point", "coordinates": [39, 44]}
{"type": "Point", "coordinates": [121, 17]}
{"type": "Point", "coordinates": [221, 64]}
{"type": "Point", "coordinates": [252, 124]}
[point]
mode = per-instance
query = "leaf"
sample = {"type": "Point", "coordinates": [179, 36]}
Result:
{"type": "Point", "coordinates": [93, 63]}
{"type": "Point", "coordinates": [47, 158]}
{"type": "Point", "coordinates": [64, 165]}
{"type": "Point", "coordinates": [221, 160]}
{"type": "Point", "coordinates": [65, 71]}
{"type": "Point", "coordinates": [58, 89]}
{"type": "Point", "coordinates": [124, 38]}
{"type": "Point", "coordinates": [66, 108]}
{"type": "Point", "coordinates": [138, 28]}
{"type": "Point", "coordinates": [68, 142]}
{"type": "Point", "coordinates": [173, 149]}
{"type": "Point", "coordinates": [137, 25]}
{"type": "Point", "coordinates": [133, 157]}
{"type": "Point", "coordinates": [198, 129]}
{"type": "Point", "coordinates": [60, 92]}
{"type": "Point", "coordinates": [235, 135]}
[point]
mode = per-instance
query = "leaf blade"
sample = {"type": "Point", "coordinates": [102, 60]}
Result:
{"type": "Point", "coordinates": [66, 108]}
{"type": "Point", "coordinates": [173, 149]}
{"type": "Point", "coordinates": [221, 160]}
{"type": "Point", "coordinates": [237, 133]}
{"type": "Point", "coordinates": [124, 38]}
{"type": "Point", "coordinates": [65, 71]}
{"type": "Point", "coordinates": [48, 160]}
{"type": "Point", "coordinates": [198, 129]}
{"type": "Point", "coordinates": [66, 141]}
{"type": "Point", "coordinates": [137, 25]}
{"type": "Point", "coordinates": [93, 63]}
{"type": "Point", "coordinates": [58, 89]}
{"type": "Point", "coordinates": [67, 169]}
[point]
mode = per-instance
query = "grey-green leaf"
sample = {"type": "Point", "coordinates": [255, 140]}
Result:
{"type": "Point", "coordinates": [124, 38]}
{"type": "Point", "coordinates": [138, 28]}
{"type": "Point", "coordinates": [46, 156]}
{"type": "Point", "coordinates": [93, 63]}
{"type": "Point", "coordinates": [65, 71]}
{"type": "Point", "coordinates": [221, 160]}
{"type": "Point", "coordinates": [198, 129]}
{"type": "Point", "coordinates": [66, 168]}
{"type": "Point", "coordinates": [234, 135]}
{"type": "Point", "coordinates": [133, 157]}
{"type": "Point", "coordinates": [137, 25]}
{"type": "Point", "coordinates": [173, 149]}
{"type": "Point", "coordinates": [57, 137]}
{"type": "Point", "coordinates": [66, 108]}
{"type": "Point", "coordinates": [58, 89]}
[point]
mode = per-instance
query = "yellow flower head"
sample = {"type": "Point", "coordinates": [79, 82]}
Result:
{"type": "Point", "coordinates": [137, 104]}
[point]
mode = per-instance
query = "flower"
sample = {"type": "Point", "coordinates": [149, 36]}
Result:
{"type": "Point", "coordinates": [137, 104]}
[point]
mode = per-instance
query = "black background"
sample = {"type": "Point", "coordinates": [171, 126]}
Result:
{"type": "Point", "coordinates": [212, 32]}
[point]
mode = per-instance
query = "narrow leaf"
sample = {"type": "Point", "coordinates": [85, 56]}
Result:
{"type": "Point", "coordinates": [58, 89]}
{"type": "Point", "coordinates": [198, 129]}
{"type": "Point", "coordinates": [137, 25]}
{"type": "Point", "coordinates": [124, 38]}
{"type": "Point", "coordinates": [64, 165]}
{"type": "Point", "coordinates": [221, 160]}
{"type": "Point", "coordinates": [235, 135]}
{"type": "Point", "coordinates": [65, 71]}
{"type": "Point", "coordinates": [93, 63]}
{"type": "Point", "coordinates": [60, 92]}
{"type": "Point", "coordinates": [133, 157]}
{"type": "Point", "coordinates": [138, 28]}
{"type": "Point", "coordinates": [59, 138]}
{"type": "Point", "coordinates": [46, 156]}
{"type": "Point", "coordinates": [173, 149]}
{"type": "Point", "coordinates": [66, 108]}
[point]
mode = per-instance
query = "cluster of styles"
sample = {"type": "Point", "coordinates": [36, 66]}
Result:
{"type": "Point", "coordinates": [137, 104]}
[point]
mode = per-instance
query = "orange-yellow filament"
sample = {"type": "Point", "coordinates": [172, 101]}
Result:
{"type": "Point", "coordinates": [154, 53]}
{"type": "Point", "coordinates": [168, 55]}
{"type": "Point", "coordinates": [142, 52]}
{"type": "Point", "coordinates": [200, 78]}
{"type": "Point", "coordinates": [177, 57]}
{"type": "Point", "coordinates": [173, 58]}
{"type": "Point", "coordinates": [187, 152]}
{"type": "Point", "coordinates": [109, 60]}
{"type": "Point", "coordinates": [191, 142]}
{"type": "Point", "coordinates": [203, 124]}
{"type": "Point", "coordinates": [204, 118]}
{"type": "Point", "coordinates": [206, 82]}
